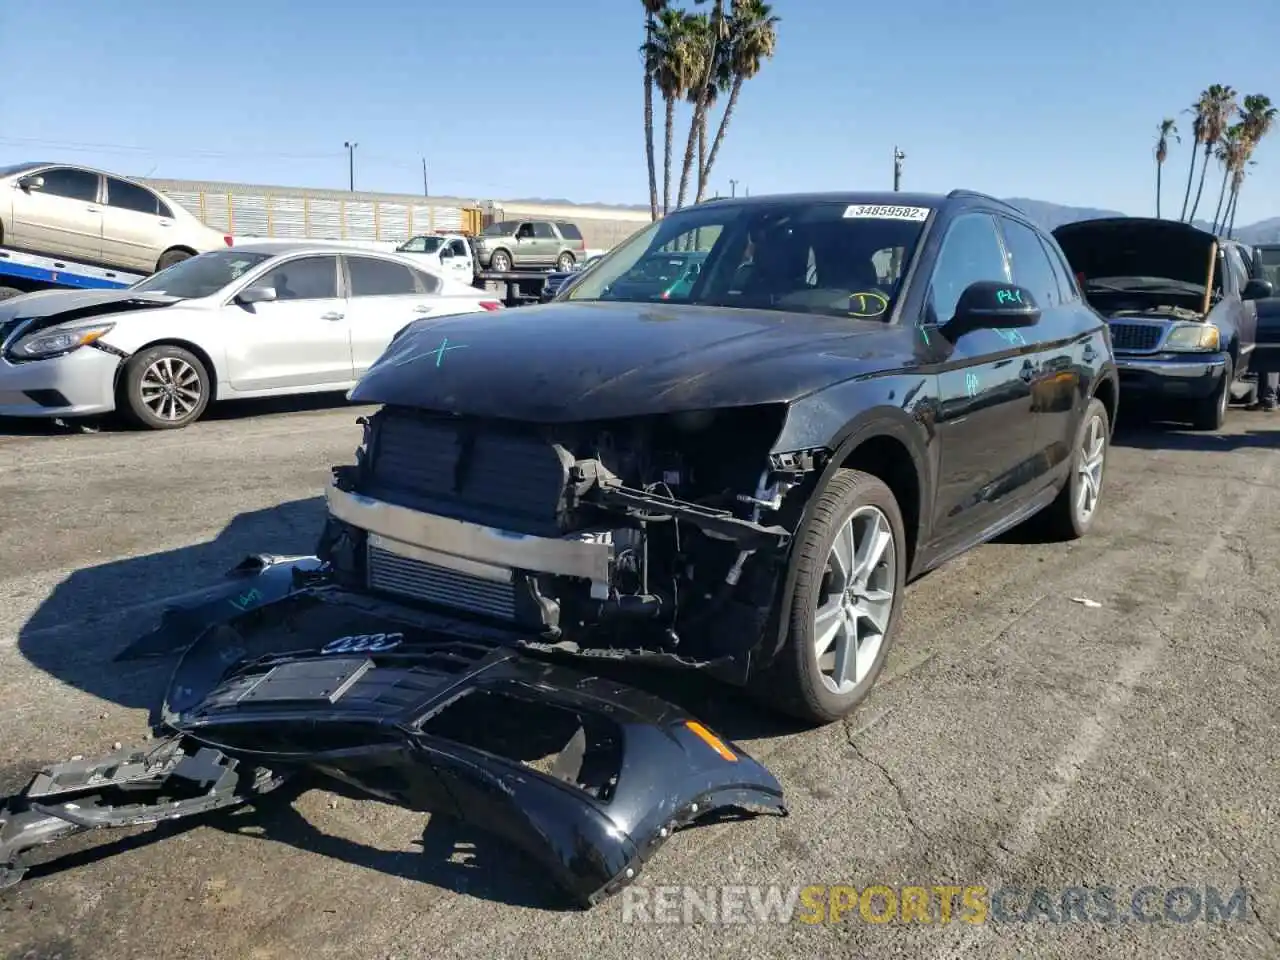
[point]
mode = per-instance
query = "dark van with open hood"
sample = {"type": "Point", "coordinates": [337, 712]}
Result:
{"type": "Point", "coordinates": [1178, 301]}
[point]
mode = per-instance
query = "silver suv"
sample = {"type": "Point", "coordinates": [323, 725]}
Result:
{"type": "Point", "coordinates": [521, 244]}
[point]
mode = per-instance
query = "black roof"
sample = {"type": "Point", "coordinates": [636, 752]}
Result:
{"type": "Point", "coordinates": [877, 197]}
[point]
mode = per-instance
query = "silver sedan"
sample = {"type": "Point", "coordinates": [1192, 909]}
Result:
{"type": "Point", "coordinates": [258, 320]}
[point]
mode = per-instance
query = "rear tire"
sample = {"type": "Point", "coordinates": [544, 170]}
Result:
{"type": "Point", "coordinates": [855, 512]}
{"type": "Point", "coordinates": [565, 263]}
{"type": "Point", "coordinates": [1211, 412]}
{"type": "Point", "coordinates": [165, 388]}
{"type": "Point", "coordinates": [1072, 513]}
{"type": "Point", "coordinates": [170, 257]}
{"type": "Point", "coordinates": [7, 293]}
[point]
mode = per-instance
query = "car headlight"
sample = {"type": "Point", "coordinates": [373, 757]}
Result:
{"type": "Point", "coordinates": [1192, 337]}
{"type": "Point", "coordinates": [51, 343]}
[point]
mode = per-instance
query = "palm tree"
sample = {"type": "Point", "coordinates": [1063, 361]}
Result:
{"type": "Point", "coordinates": [1258, 119]}
{"type": "Point", "coordinates": [753, 37]}
{"type": "Point", "coordinates": [1229, 157]}
{"type": "Point", "coordinates": [1168, 128]}
{"type": "Point", "coordinates": [1219, 109]}
{"type": "Point", "coordinates": [707, 33]}
{"type": "Point", "coordinates": [670, 62]}
{"type": "Point", "coordinates": [1198, 111]}
{"type": "Point", "coordinates": [651, 10]}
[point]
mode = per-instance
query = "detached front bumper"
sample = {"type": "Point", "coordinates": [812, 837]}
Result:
{"type": "Point", "coordinates": [81, 383]}
{"type": "Point", "coordinates": [1171, 376]}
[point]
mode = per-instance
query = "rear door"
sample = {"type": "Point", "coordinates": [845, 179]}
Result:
{"type": "Point", "coordinates": [300, 339]}
{"type": "Point", "coordinates": [546, 243]}
{"type": "Point", "coordinates": [136, 226]}
{"type": "Point", "coordinates": [985, 426]}
{"type": "Point", "coordinates": [383, 297]}
{"type": "Point", "coordinates": [62, 218]}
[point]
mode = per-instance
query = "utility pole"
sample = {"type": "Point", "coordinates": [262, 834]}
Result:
{"type": "Point", "coordinates": [898, 157]}
{"type": "Point", "coordinates": [424, 178]}
{"type": "Point", "coordinates": [733, 188]}
{"type": "Point", "coordinates": [351, 164]}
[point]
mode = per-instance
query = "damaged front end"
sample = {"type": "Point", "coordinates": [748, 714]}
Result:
{"type": "Point", "coordinates": [586, 776]}
{"type": "Point", "coordinates": [659, 537]}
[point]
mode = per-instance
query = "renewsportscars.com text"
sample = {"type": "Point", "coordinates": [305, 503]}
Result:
{"type": "Point", "coordinates": [939, 904]}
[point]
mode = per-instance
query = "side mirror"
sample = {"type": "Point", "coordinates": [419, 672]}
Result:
{"type": "Point", "coordinates": [988, 305]}
{"type": "Point", "coordinates": [31, 183]}
{"type": "Point", "coordinates": [1257, 289]}
{"type": "Point", "coordinates": [256, 295]}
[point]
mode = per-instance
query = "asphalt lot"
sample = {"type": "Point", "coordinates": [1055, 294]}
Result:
{"type": "Point", "coordinates": [1017, 738]}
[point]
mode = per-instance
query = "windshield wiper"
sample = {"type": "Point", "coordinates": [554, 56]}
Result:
{"type": "Point", "coordinates": [1145, 286]}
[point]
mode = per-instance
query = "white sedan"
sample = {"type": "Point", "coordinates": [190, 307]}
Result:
{"type": "Point", "coordinates": [258, 320]}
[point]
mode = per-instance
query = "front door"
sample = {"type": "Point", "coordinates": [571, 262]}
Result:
{"type": "Point", "coordinates": [455, 258]}
{"type": "Point", "coordinates": [384, 297]}
{"type": "Point", "coordinates": [61, 218]}
{"type": "Point", "coordinates": [301, 339]}
{"type": "Point", "coordinates": [986, 430]}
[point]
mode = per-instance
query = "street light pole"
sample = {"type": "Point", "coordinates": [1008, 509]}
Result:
{"type": "Point", "coordinates": [898, 157]}
{"type": "Point", "coordinates": [733, 188]}
{"type": "Point", "coordinates": [351, 164]}
{"type": "Point", "coordinates": [424, 177]}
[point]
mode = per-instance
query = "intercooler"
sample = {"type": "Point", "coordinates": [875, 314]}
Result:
{"type": "Point", "coordinates": [430, 583]}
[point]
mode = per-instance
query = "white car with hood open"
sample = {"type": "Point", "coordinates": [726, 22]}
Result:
{"type": "Point", "coordinates": [258, 320]}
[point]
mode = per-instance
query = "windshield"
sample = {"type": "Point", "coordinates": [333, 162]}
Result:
{"type": "Point", "coordinates": [815, 257]}
{"type": "Point", "coordinates": [504, 229]}
{"type": "Point", "coordinates": [17, 168]}
{"type": "Point", "coordinates": [421, 245]}
{"type": "Point", "coordinates": [201, 276]}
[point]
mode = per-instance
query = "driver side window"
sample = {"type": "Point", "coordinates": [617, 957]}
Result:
{"type": "Point", "coordinates": [971, 251]}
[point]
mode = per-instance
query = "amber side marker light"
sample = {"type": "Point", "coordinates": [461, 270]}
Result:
{"type": "Point", "coordinates": [711, 740]}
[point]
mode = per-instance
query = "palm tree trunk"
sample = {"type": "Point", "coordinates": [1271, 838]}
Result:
{"type": "Point", "coordinates": [1204, 168]}
{"type": "Point", "coordinates": [1235, 202]}
{"type": "Point", "coordinates": [689, 146]}
{"type": "Point", "coordinates": [666, 156]}
{"type": "Point", "coordinates": [648, 121]}
{"type": "Point", "coordinates": [1222, 193]}
{"type": "Point", "coordinates": [1186, 196]}
{"type": "Point", "coordinates": [724, 124]}
{"type": "Point", "coordinates": [702, 160]}
{"type": "Point", "coordinates": [1159, 170]}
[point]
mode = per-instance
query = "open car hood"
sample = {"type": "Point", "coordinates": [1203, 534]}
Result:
{"type": "Point", "coordinates": [70, 304]}
{"type": "Point", "coordinates": [588, 777]}
{"type": "Point", "coordinates": [1137, 247]}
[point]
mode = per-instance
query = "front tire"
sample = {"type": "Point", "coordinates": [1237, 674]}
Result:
{"type": "Point", "coordinates": [165, 388]}
{"type": "Point", "coordinates": [851, 566]}
{"type": "Point", "coordinates": [7, 293]}
{"type": "Point", "coordinates": [1211, 412]}
{"type": "Point", "coordinates": [1072, 513]}
{"type": "Point", "coordinates": [500, 262]}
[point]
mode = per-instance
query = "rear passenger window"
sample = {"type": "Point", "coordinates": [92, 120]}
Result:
{"type": "Point", "coordinates": [543, 231]}
{"type": "Point", "coordinates": [1066, 286]}
{"type": "Point", "coordinates": [128, 196]}
{"type": "Point", "coordinates": [308, 278]}
{"type": "Point", "coordinates": [1030, 264]}
{"type": "Point", "coordinates": [380, 278]}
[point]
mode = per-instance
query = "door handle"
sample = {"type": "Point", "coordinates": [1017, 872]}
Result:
{"type": "Point", "coordinates": [166, 223]}
{"type": "Point", "coordinates": [94, 209]}
{"type": "Point", "coordinates": [422, 309]}
{"type": "Point", "coordinates": [1028, 371]}
{"type": "Point", "coordinates": [332, 315]}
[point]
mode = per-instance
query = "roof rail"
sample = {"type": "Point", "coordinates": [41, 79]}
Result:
{"type": "Point", "coordinates": [973, 194]}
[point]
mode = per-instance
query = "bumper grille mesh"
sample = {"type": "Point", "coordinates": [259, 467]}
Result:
{"type": "Point", "coordinates": [1135, 336]}
{"type": "Point", "coordinates": [419, 580]}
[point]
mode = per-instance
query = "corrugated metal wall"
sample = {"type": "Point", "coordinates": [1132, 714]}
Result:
{"type": "Point", "coordinates": [280, 212]}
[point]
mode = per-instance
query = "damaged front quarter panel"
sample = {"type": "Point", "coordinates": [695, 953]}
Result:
{"type": "Point", "coordinates": [588, 777]}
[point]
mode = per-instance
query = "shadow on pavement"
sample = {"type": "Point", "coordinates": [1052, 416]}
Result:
{"type": "Point", "coordinates": [231, 410]}
{"type": "Point", "coordinates": [1263, 433]}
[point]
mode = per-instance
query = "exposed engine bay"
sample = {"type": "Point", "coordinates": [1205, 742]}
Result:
{"type": "Point", "coordinates": [663, 533]}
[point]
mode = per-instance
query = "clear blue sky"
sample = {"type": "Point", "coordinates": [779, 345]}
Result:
{"type": "Point", "coordinates": [505, 98]}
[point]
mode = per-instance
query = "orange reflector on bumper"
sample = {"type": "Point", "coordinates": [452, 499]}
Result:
{"type": "Point", "coordinates": [711, 740]}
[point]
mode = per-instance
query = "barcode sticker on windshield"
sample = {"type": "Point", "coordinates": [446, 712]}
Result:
{"type": "Point", "coordinates": [873, 212]}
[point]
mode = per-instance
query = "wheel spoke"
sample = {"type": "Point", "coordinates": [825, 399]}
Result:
{"type": "Point", "coordinates": [830, 620]}
{"type": "Point", "coordinates": [843, 559]}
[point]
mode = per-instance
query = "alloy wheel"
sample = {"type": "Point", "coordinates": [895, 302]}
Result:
{"type": "Point", "coordinates": [1089, 465]}
{"type": "Point", "coordinates": [171, 389]}
{"type": "Point", "coordinates": [857, 600]}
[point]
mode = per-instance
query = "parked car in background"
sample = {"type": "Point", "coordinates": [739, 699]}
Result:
{"type": "Point", "coordinates": [558, 279]}
{"type": "Point", "coordinates": [1178, 303]}
{"type": "Point", "coordinates": [451, 254]}
{"type": "Point", "coordinates": [524, 244]}
{"type": "Point", "coordinates": [97, 218]}
{"type": "Point", "coordinates": [260, 320]}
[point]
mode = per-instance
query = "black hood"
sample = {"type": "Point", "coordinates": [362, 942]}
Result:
{"type": "Point", "coordinates": [1137, 247]}
{"type": "Point", "coordinates": [572, 361]}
